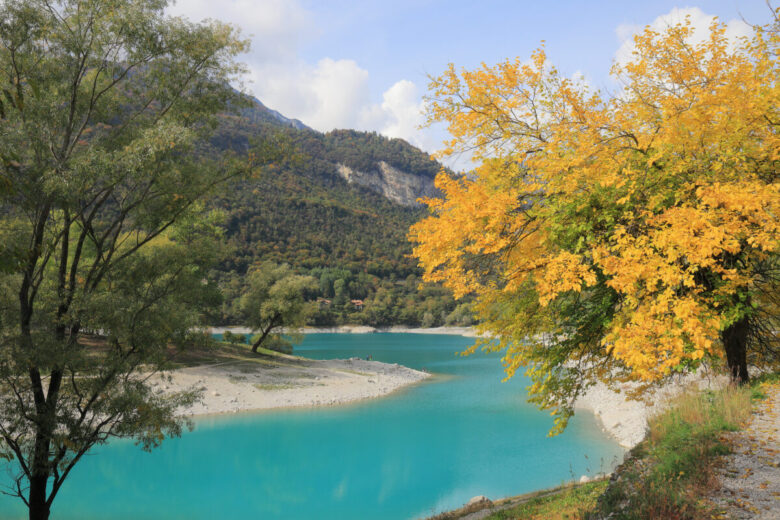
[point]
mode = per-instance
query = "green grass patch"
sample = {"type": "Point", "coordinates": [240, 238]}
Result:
{"type": "Point", "coordinates": [675, 466]}
{"type": "Point", "coordinates": [217, 352]}
{"type": "Point", "coordinates": [569, 503]}
{"type": "Point", "coordinates": [757, 385]}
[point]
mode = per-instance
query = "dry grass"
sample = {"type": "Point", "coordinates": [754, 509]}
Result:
{"type": "Point", "coordinates": [675, 466]}
{"type": "Point", "coordinates": [727, 409]}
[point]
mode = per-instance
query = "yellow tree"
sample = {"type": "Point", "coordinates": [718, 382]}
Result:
{"type": "Point", "coordinates": [614, 237]}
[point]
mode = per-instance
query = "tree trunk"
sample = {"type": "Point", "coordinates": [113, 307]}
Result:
{"type": "Point", "coordinates": [265, 333]}
{"type": "Point", "coordinates": [39, 509]}
{"type": "Point", "coordinates": [260, 339]}
{"type": "Point", "coordinates": [40, 467]}
{"type": "Point", "coordinates": [735, 342]}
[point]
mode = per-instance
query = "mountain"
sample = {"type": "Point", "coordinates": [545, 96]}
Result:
{"type": "Point", "coordinates": [339, 210]}
{"type": "Point", "coordinates": [260, 108]}
{"type": "Point", "coordinates": [390, 167]}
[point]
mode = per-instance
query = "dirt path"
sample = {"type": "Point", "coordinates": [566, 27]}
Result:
{"type": "Point", "coordinates": [750, 478]}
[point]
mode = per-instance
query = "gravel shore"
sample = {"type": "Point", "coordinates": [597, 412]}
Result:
{"type": "Point", "coordinates": [626, 420]}
{"type": "Point", "coordinates": [289, 382]}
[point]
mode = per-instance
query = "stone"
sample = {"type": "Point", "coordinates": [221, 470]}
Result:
{"type": "Point", "coordinates": [479, 499]}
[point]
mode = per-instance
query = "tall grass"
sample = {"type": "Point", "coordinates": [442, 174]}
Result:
{"type": "Point", "coordinates": [675, 466]}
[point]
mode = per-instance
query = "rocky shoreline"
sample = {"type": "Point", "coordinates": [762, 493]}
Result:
{"type": "Point", "coordinates": [627, 420]}
{"type": "Point", "coordinates": [286, 382]}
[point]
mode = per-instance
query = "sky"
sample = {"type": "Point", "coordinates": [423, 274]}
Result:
{"type": "Point", "coordinates": [364, 64]}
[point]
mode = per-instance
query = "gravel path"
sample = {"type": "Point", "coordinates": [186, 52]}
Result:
{"type": "Point", "coordinates": [750, 478]}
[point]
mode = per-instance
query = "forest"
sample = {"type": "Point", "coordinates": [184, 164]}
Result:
{"type": "Point", "coordinates": [299, 211]}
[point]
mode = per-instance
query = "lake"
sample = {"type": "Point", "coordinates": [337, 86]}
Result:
{"type": "Point", "coordinates": [419, 451]}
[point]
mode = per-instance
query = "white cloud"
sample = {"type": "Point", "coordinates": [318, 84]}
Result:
{"type": "Point", "coordinates": [333, 93]}
{"type": "Point", "coordinates": [336, 94]}
{"type": "Point", "coordinates": [325, 96]}
{"type": "Point", "coordinates": [404, 111]}
{"type": "Point", "coordinates": [276, 27]}
{"type": "Point", "coordinates": [700, 22]}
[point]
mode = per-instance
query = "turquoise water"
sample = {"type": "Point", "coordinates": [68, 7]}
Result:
{"type": "Point", "coordinates": [424, 449]}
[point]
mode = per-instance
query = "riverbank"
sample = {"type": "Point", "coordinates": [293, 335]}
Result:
{"type": "Point", "coordinates": [275, 380]}
{"type": "Point", "coordinates": [623, 419]}
{"type": "Point", "coordinates": [364, 329]}
{"type": "Point", "coordinates": [626, 420]}
{"type": "Point", "coordinates": [708, 455]}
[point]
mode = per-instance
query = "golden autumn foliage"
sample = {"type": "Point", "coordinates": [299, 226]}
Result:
{"type": "Point", "coordinates": [624, 236]}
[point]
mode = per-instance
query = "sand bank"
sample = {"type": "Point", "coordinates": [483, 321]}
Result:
{"type": "Point", "coordinates": [287, 381]}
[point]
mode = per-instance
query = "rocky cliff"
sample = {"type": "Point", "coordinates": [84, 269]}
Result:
{"type": "Point", "coordinates": [397, 185]}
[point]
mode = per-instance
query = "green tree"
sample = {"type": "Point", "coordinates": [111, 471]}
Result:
{"type": "Point", "coordinates": [102, 102]}
{"type": "Point", "coordinates": [274, 300]}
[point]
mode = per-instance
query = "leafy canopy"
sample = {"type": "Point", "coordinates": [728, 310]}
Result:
{"type": "Point", "coordinates": [105, 247]}
{"type": "Point", "coordinates": [614, 237]}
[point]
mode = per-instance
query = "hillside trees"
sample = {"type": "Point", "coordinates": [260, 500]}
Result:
{"type": "Point", "coordinates": [619, 237]}
{"type": "Point", "coordinates": [102, 227]}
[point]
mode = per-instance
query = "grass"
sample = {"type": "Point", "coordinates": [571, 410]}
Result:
{"type": "Point", "coordinates": [675, 467]}
{"type": "Point", "coordinates": [566, 502]}
{"type": "Point", "coordinates": [216, 352]}
{"type": "Point", "coordinates": [272, 387]}
{"type": "Point", "coordinates": [569, 503]}
{"type": "Point", "coordinates": [757, 385]}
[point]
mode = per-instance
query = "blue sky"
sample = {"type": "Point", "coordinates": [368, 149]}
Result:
{"type": "Point", "coordinates": [364, 64]}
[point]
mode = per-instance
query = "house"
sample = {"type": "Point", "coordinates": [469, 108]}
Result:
{"type": "Point", "coordinates": [358, 304]}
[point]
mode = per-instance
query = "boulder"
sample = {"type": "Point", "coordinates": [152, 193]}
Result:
{"type": "Point", "coordinates": [479, 499]}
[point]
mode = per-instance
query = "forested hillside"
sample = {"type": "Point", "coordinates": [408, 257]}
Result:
{"type": "Point", "coordinates": [304, 213]}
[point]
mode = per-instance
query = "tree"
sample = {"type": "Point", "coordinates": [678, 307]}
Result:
{"type": "Point", "coordinates": [274, 300]}
{"type": "Point", "coordinates": [630, 236]}
{"type": "Point", "coordinates": [102, 230]}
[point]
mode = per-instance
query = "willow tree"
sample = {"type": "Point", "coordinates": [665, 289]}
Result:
{"type": "Point", "coordinates": [616, 237]}
{"type": "Point", "coordinates": [102, 101]}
